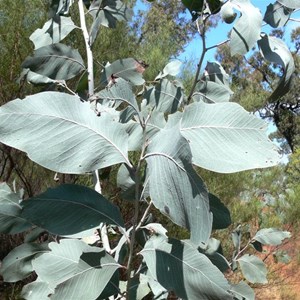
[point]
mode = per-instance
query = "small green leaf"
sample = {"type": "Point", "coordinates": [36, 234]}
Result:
{"type": "Point", "coordinates": [277, 15]}
{"type": "Point", "coordinates": [253, 268]}
{"type": "Point", "coordinates": [36, 78]}
{"type": "Point", "coordinates": [11, 221]}
{"type": "Point", "coordinates": [107, 13]}
{"type": "Point", "coordinates": [17, 265]}
{"type": "Point", "coordinates": [166, 97]}
{"type": "Point", "coordinates": [271, 236]}
{"type": "Point", "coordinates": [120, 91]}
{"type": "Point", "coordinates": [70, 209]}
{"type": "Point", "coordinates": [281, 256]}
{"type": "Point", "coordinates": [295, 4]}
{"type": "Point", "coordinates": [56, 61]}
{"type": "Point", "coordinates": [60, 7]}
{"type": "Point", "coordinates": [54, 30]}
{"type": "Point", "coordinates": [172, 69]}
{"type": "Point", "coordinates": [128, 68]}
{"type": "Point", "coordinates": [156, 228]}
{"type": "Point", "coordinates": [212, 92]}
{"type": "Point", "coordinates": [257, 246]}
{"type": "Point", "coordinates": [242, 291]}
{"type": "Point", "coordinates": [215, 72]}
{"type": "Point", "coordinates": [175, 188]}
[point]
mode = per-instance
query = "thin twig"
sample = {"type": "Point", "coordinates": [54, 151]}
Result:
{"type": "Point", "coordinates": [136, 208]}
{"type": "Point", "coordinates": [89, 53]}
{"type": "Point", "coordinates": [217, 45]}
{"type": "Point", "coordinates": [199, 66]}
{"type": "Point", "coordinates": [90, 72]}
{"type": "Point", "coordinates": [144, 216]}
{"type": "Point", "coordinates": [294, 20]}
{"type": "Point", "coordinates": [241, 251]}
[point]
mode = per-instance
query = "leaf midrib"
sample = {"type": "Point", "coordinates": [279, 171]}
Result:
{"type": "Point", "coordinates": [73, 122]}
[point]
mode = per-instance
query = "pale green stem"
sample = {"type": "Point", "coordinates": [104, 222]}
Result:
{"type": "Point", "coordinates": [90, 72]}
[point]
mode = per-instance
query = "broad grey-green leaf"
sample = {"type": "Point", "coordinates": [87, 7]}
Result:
{"type": "Point", "coordinates": [295, 4]}
{"type": "Point", "coordinates": [93, 273]}
{"type": "Point", "coordinates": [54, 30]}
{"type": "Point", "coordinates": [214, 252]}
{"type": "Point", "coordinates": [159, 292]}
{"type": "Point", "coordinates": [253, 268]}
{"type": "Point", "coordinates": [128, 68]}
{"type": "Point", "coordinates": [37, 290]}
{"type": "Point", "coordinates": [165, 97]}
{"type": "Point", "coordinates": [179, 267]}
{"type": "Point", "coordinates": [219, 261]}
{"type": "Point", "coordinates": [271, 236]}
{"type": "Point", "coordinates": [112, 288]}
{"type": "Point", "coordinates": [70, 209]}
{"type": "Point", "coordinates": [61, 133]}
{"type": "Point", "coordinates": [173, 119]}
{"type": "Point", "coordinates": [11, 221]}
{"type": "Point", "coordinates": [225, 138]}
{"type": "Point", "coordinates": [121, 91]}
{"type": "Point", "coordinates": [175, 187]}
{"type": "Point", "coordinates": [56, 61]}
{"type": "Point", "coordinates": [17, 265]}
{"type": "Point", "coordinates": [60, 7]}
{"type": "Point", "coordinates": [215, 72]}
{"type": "Point", "coordinates": [277, 15]}
{"type": "Point", "coordinates": [221, 214]}
{"type": "Point", "coordinates": [242, 291]}
{"type": "Point", "coordinates": [107, 13]}
{"type": "Point", "coordinates": [211, 92]}
{"type": "Point", "coordinates": [139, 287]}
{"type": "Point", "coordinates": [135, 135]}
{"type": "Point", "coordinates": [72, 268]}
{"type": "Point", "coordinates": [275, 50]}
{"type": "Point", "coordinates": [62, 261]}
{"type": "Point", "coordinates": [246, 30]}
